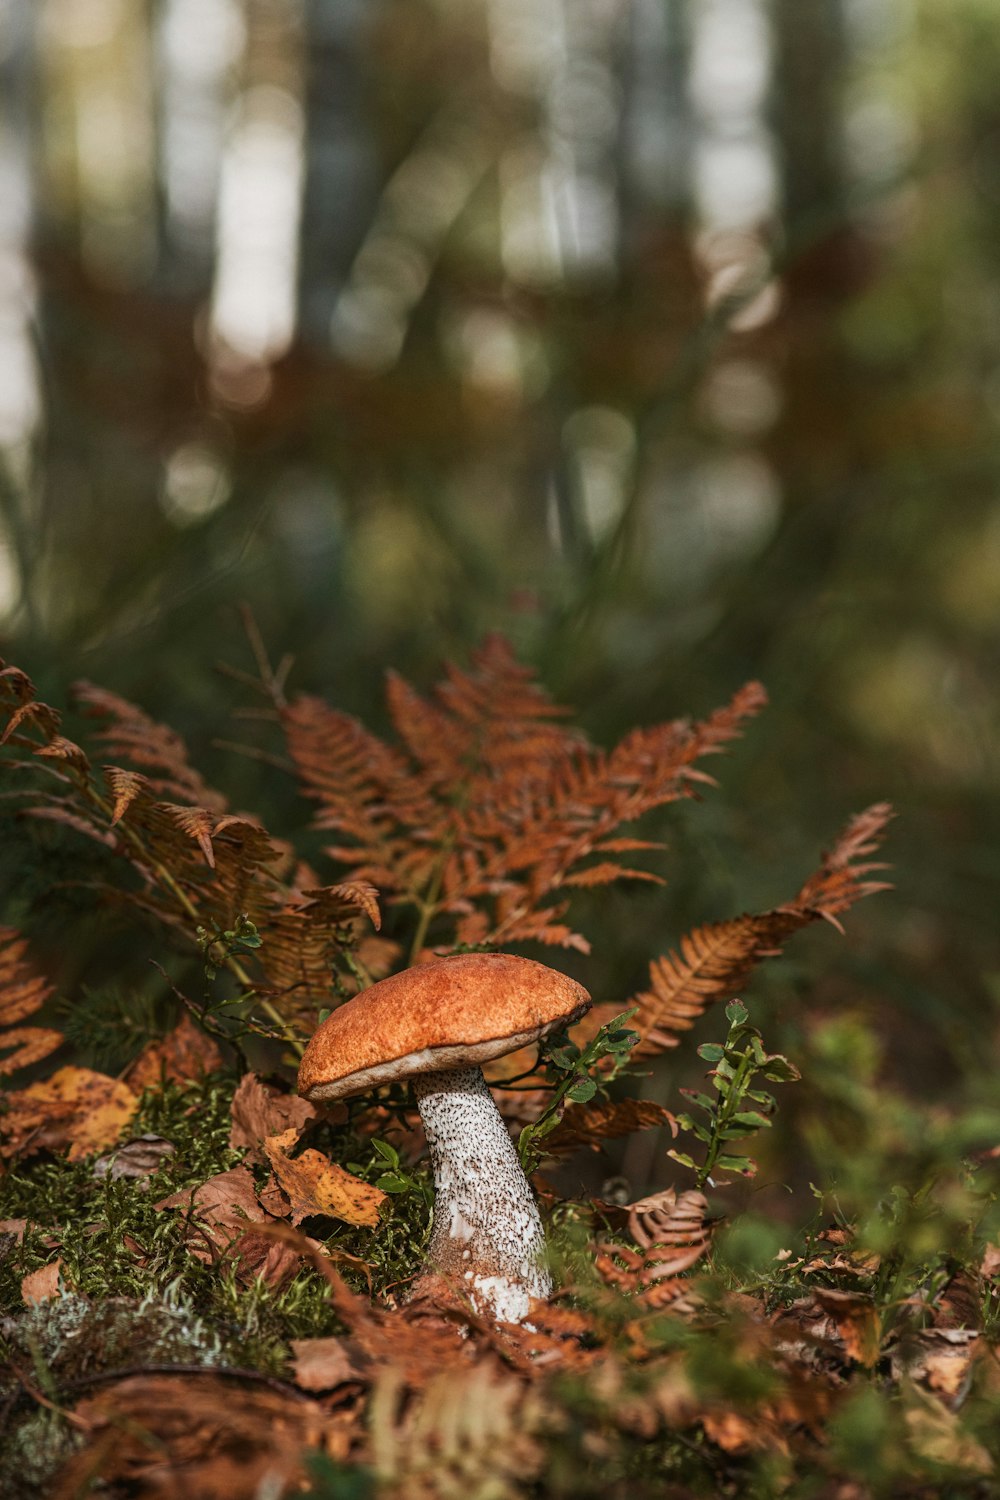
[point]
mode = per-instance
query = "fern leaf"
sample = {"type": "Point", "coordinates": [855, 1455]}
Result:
{"type": "Point", "coordinates": [22, 993]}
{"type": "Point", "coordinates": [670, 1232]}
{"type": "Point", "coordinates": [197, 863]}
{"type": "Point", "coordinates": [716, 960]}
{"type": "Point", "coordinates": [604, 874]}
{"type": "Point", "coordinates": [491, 807]}
{"type": "Point", "coordinates": [131, 736]}
{"type": "Point", "coordinates": [26, 1045]}
{"type": "Point", "coordinates": [125, 786]}
{"type": "Point", "coordinates": [590, 1125]}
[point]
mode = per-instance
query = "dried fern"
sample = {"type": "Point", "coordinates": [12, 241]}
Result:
{"type": "Point", "coordinates": [192, 864]}
{"type": "Point", "coordinates": [22, 993]}
{"type": "Point", "coordinates": [716, 960]}
{"type": "Point", "coordinates": [491, 812]}
{"type": "Point", "coordinates": [671, 1236]}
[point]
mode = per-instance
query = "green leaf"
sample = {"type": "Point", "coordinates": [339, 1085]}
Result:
{"type": "Point", "coordinates": [582, 1091]}
{"type": "Point", "coordinates": [711, 1051]}
{"type": "Point", "coordinates": [683, 1158]}
{"type": "Point", "coordinates": [761, 1096]}
{"type": "Point", "coordinates": [780, 1070]}
{"type": "Point", "coordinates": [702, 1100]}
{"type": "Point", "coordinates": [391, 1182]}
{"type": "Point", "coordinates": [736, 1012]}
{"type": "Point", "coordinates": [387, 1152]}
{"type": "Point", "coordinates": [745, 1166]}
{"type": "Point", "coordinates": [751, 1119]}
{"type": "Point", "coordinates": [622, 1041]}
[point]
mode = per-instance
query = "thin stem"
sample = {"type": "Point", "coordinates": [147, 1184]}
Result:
{"type": "Point", "coordinates": [730, 1106]}
{"type": "Point", "coordinates": [428, 903]}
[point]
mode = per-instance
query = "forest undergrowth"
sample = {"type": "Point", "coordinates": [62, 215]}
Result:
{"type": "Point", "coordinates": [205, 1279]}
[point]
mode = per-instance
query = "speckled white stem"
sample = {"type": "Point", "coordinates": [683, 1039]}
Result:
{"type": "Point", "coordinates": [487, 1234]}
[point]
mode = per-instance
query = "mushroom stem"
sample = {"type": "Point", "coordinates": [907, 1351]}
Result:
{"type": "Point", "coordinates": [487, 1235]}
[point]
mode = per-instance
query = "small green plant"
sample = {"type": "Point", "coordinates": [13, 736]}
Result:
{"type": "Point", "coordinates": [575, 1075]}
{"type": "Point", "coordinates": [740, 1061]}
{"type": "Point", "coordinates": [397, 1179]}
{"type": "Point", "coordinates": [218, 944]}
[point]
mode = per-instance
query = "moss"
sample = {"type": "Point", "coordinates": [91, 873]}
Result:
{"type": "Point", "coordinates": [32, 1451]}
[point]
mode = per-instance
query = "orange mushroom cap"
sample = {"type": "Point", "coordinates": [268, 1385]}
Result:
{"type": "Point", "coordinates": [455, 1012]}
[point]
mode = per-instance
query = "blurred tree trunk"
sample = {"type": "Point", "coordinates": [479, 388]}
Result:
{"type": "Point", "coordinates": [341, 172]}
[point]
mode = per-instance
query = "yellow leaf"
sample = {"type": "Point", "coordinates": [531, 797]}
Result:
{"type": "Point", "coordinates": [316, 1185]}
{"type": "Point", "coordinates": [76, 1107]}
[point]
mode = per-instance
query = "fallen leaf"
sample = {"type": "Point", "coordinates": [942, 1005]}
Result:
{"type": "Point", "coordinates": [316, 1185]}
{"type": "Point", "coordinates": [135, 1159]}
{"type": "Point", "coordinates": [193, 1435]}
{"type": "Point", "coordinates": [42, 1284]}
{"type": "Point", "coordinates": [857, 1322]}
{"type": "Point", "coordinates": [76, 1107]}
{"type": "Point", "coordinates": [322, 1364]}
{"type": "Point", "coordinates": [224, 1212]}
{"type": "Point", "coordinates": [941, 1359]}
{"type": "Point", "coordinates": [185, 1053]}
{"type": "Point", "coordinates": [259, 1111]}
{"type": "Point", "coordinates": [937, 1434]}
{"type": "Point", "coordinates": [731, 1432]}
{"type": "Point", "coordinates": [991, 1262]}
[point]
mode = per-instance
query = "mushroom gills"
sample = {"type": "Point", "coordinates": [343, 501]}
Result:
{"type": "Point", "coordinates": [487, 1236]}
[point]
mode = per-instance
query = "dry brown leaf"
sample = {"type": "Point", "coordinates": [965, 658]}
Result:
{"type": "Point", "coordinates": [180, 1437]}
{"type": "Point", "coordinates": [225, 1220]}
{"type": "Point", "coordinates": [322, 1364]}
{"type": "Point", "coordinates": [941, 1359]}
{"type": "Point", "coordinates": [226, 1205]}
{"type": "Point", "coordinates": [857, 1322]}
{"type": "Point", "coordinates": [316, 1185]}
{"type": "Point", "coordinates": [589, 1125]}
{"type": "Point", "coordinates": [990, 1265]}
{"type": "Point", "coordinates": [259, 1111]}
{"type": "Point", "coordinates": [731, 1431]}
{"type": "Point", "coordinates": [42, 1284]}
{"type": "Point", "coordinates": [185, 1053]}
{"type": "Point", "coordinates": [135, 1160]}
{"type": "Point", "coordinates": [715, 960]}
{"type": "Point", "coordinates": [76, 1107]}
{"type": "Point", "coordinates": [27, 1045]}
{"type": "Point", "coordinates": [937, 1434]}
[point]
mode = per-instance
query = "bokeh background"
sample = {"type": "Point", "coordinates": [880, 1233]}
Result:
{"type": "Point", "coordinates": [661, 335]}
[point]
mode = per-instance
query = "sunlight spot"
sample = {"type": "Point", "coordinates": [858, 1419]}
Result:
{"type": "Point", "coordinates": [195, 484]}
{"type": "Point", "coordinates": [254, 297]}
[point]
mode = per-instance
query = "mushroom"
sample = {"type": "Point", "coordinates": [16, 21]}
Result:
{"type": "Point", "coordinates": [435, 1024]}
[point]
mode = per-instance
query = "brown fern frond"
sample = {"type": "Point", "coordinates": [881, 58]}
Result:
{"type": "Point", "coordinates": [21, 706]}
{"type": "Point", "coordinates": [588, 1126]}
{"type": "Point", "coordinates": [670, 1232]}
{"type": "Point", "coordinates": [492, 808]}
{"type": "Point", "coordinates": [194, 863]}
{"type": "Point", "coordinates": [125, 786]}
{"type": "Point", "coordinates": [132, 737]}
{"type": "Point", "coordinates": [839, 881]}
{"type": "Point", "coordinates": [716, 960]}
{"type": "Point", "coordinates": [22, 993]}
